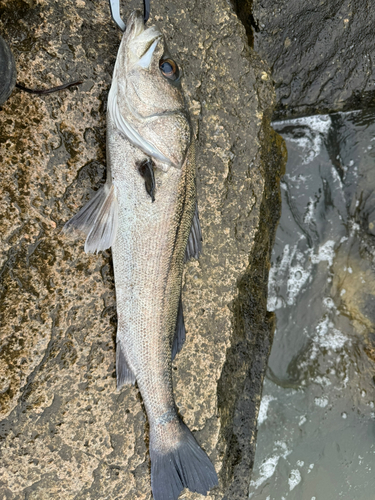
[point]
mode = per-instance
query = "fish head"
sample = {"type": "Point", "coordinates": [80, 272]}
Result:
{"type": "Point", "coordinates": [149, 96]}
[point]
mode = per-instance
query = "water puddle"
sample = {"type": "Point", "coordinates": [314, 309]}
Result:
{"type": "Point", "coordinates": [316, 438]}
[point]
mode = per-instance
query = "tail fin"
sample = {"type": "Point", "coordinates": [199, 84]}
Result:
{"type": "Point", "coordinates": [184, 466]}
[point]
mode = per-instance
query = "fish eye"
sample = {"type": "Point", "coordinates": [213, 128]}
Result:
{"type": "Point", "coordinates": [169, 69]}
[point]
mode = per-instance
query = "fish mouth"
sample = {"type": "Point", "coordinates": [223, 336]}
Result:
{"type": "Point", "coordinates": [141, 41]}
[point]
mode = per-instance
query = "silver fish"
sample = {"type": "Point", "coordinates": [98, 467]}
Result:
{"type": "Point", "coordinates": [146, 212]}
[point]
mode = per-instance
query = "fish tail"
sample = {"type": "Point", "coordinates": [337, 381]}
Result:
{"type": "Point", "coordinates": [185, 465]}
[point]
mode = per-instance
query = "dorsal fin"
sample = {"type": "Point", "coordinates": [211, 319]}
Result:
{"type": "Point", "coordinates": [180, 332]}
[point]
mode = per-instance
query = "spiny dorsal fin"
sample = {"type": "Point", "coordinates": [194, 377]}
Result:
{"type": "Point", "coordinates": [98, 219]}
{"type": "Point", "coordinates": [194, 244]}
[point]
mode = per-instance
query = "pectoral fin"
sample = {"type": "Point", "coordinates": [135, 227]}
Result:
{"type": "Point", "coordinates": [180, 333]}
{"type": "Point", "coordinates": [124, 374]}
{"type": "Point", "coordinates": [98, 219]}
{"type": "Point", "coordinates": [146, 169]}
{"type": "Point", "coordinates": [194, 244]}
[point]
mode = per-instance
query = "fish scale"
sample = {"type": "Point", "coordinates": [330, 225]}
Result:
{"type": "Point", "coordinates": [151, 229]}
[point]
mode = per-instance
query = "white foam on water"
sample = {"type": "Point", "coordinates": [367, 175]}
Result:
{"type": "Point", "coordinates": [295, 271]}
{"type": "Point", "coordinates": [319, 123]}
{"type": "Point", "coordinates": [311, 142]}
{"type": "Point", "coordinates": [268, 466]}
{"type": "Point", "coordinates": [326, 252]}
{"type": "Point", "coordinates": [293, 275]}
{"type": "Point", "coordinates": [326, 337]}
{"type": "Point", "coordinates": [302, 421]}
{"type": "Point", "coordinates": [309, 215]}
{"type": "Point", "coordinates": [336, 177]}
{"type": "Point", "coordinates": [266, 471]}
{"type": "Point", "coordinates": [294, 479]}
{"type": "Point", "coordinates": [296, 279]}
{"type": "Point", "coordinates": [354, 227]}
{"type": "Point", "coordinates": [322, 402]}
{"type": "Point", "coordinates": [296, 182]}
{"type": "Point", "coordinates": [329, 337]}
{"type": "Point", "coordinates": [264, 404]}
{"type": "Point", "coordinates": [328, 303]}
{"type": "Point", "coordinates": [323, 381]}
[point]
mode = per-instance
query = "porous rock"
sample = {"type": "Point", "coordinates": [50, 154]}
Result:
{"type": "Point", "coordinates": [66, 432]}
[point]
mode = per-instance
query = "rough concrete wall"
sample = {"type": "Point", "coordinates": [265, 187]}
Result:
{"type": "Point", "coordinates": [66, 432]}
{"type": "Point", "coordinates": [321, 52]}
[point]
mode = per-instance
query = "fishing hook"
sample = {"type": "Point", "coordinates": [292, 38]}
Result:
{"type": "Point", "coordinates": [116, 16]}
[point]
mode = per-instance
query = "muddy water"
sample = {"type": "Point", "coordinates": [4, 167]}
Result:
{"type": "Point", "coordinates": [316, 438]}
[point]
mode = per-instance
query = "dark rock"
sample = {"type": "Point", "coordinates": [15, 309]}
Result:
{"type": "Point", "coordinates": [8, 73]}
{"type": "Point", "coordinates": [65, 430]}
{"type": "Point", "coordinates": [321, 53]}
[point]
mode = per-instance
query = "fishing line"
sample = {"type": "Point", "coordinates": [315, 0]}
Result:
{"type": "Point", "coordinates": [48, 91]}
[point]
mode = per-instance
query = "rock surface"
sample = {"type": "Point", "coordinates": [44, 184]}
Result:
{"type": "Point", "coordinates": [322, 53]}
{"type": "Point", "coordinates": [65, 431]}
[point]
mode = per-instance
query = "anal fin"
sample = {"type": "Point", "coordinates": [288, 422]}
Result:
{"type": "Point", "coordinates": [194, 244]}
{"type": "Point", "coordinates": [180, 333]}
{"type": "Point", "coordinates": [124, 374]}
